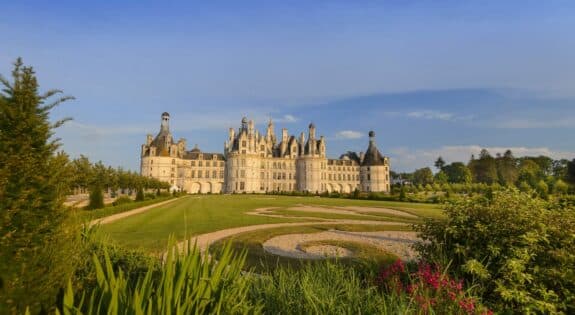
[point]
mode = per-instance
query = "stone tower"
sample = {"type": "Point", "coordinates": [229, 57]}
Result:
{"type": "Point", "coordinates": [374, 171]}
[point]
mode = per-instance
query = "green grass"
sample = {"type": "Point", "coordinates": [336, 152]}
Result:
{"type": "Point", "coordinates": [198, 214]}
{"type": "Point", "coordinates": [364, 216]}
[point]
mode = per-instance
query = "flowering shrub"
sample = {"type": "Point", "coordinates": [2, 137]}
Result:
{"type": "Point", "coordinates": [432, 290]}
{"type": "Point", "coordinates": [518, 250]}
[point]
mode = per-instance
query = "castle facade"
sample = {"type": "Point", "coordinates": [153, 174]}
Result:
{"type": "Point", "coordinates": [254, 162]}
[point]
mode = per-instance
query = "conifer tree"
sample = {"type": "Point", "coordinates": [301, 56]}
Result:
{"type": "Point", "coordinates": [32, 233]}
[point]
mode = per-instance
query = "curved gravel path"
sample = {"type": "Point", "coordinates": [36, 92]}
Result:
{"type": "Point", "coordinates": [118, 216]}
{"type": "Point", "coordinates": [203, 241]}
{"type": "Point", "coordinates": [395, 242]}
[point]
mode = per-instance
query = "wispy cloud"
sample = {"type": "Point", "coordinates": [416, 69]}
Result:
{"type": "Point", "coordinates": [348, 134]}
{"type": "Point", "coordinates": [529, 123]}
{"type": "Point", "coordinates": [426, 114]}
{"type": "Point", "coordinates": [431, 114]}
{"type": "Point", "coordinates": [287, 119]}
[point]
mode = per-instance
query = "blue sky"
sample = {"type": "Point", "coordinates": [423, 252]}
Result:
{"type": "Point", "coordinates": [430, 77]}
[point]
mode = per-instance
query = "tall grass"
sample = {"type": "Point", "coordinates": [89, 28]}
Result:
{"type": "Point", "coordinates": [186, 284]}
{"type": "Point", "coordinates": [325, 288]}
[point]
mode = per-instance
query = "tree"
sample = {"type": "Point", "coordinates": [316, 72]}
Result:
{"type": "Point", "coordinates": [529, 172]}
{"type": "Point", "coordinates": [439, 163]}
{"type": "Point", "coordinates": [35, 252]}
{"type": "Point", "coordinates": [570, 176]}
{"type": "Point", "coordinates": [140, 194]}
{"type": "Point", "coordinates": [507, 169]}
{"type": "Point", "coordinates": [423, 176]}
{"type": "Point", "coordinates": [560, 168]}
{"type": "Point", "coordinates": [96, 197]}
{"type": "Point", "coordinates": [457, 172]}
{"type": "Point", "coordinates": [484, 169]}
{"type": "Point", "coordinates": [441, 177]}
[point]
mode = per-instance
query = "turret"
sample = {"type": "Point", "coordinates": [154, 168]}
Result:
{"type": "Point", "coordinates": [231, 135]}
{"type": "Point", "coordinates": [244, 124]}
{"type": "Point", "coordinates": [165, 122]}
{"type": "Point", "coordinates": [311, 131]}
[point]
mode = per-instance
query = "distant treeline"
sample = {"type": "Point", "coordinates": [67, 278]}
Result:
{"type": "Point", "coordinates": [503, 169]}
{"type": "Point", "coordinates": [85, 175]}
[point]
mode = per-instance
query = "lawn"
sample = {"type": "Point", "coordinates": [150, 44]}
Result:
{"type": "Point", "coordinates": [198, 214]}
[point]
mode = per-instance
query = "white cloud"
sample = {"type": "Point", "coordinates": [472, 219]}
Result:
{"type": "Point", "coordinates": [431, 114]}
{"type": "Point", "coordinates": [287, 119]}
{"type": "Point", "coordinates": [405, 159]}
{"type": "Point", "coordinates": [348, 134]}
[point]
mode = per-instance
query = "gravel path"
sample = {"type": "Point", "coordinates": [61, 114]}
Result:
{"type": "Point", "coordinates": [293, 245]}
{"type": "Point", "coordinates": [118, 216]}
{"type": "Point", "coordinates": [203, 241]}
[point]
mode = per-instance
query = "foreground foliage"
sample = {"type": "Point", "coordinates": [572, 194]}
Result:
{"type": "Point", "coordinates": [35, 237]}
{"type": "Point", "coordinates": [519, 250]}
{"type": "Point", "coordinates": [185, 284]}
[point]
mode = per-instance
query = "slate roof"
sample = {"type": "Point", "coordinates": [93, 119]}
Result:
{"type": "Point", "coordinates": [372, 156]}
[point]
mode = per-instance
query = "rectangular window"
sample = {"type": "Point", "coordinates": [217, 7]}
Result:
{"type": "Point", "coordinates": [193, 174]}
{"type": "Point", "coordinates": [243, 173]}
{"type": "Point", "coordinates": [242, 186]}
{"type": "Point", "coordinates": [199, 174]}
{"type": "Point", "coordinates": [214, 174]}
{"type": "Point", "coordinates": [193, 163]}
{"type": "Point", "coordinates": [221, 174]}
{"type": "Point", "coordinates": [207, 163]}
{"type": "Point", "coordinates": [200, 163]}
{"type": "Point", "coordinates": [243, 143]}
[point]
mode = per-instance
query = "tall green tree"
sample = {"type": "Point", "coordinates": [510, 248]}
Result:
{"type": "Point", "coordinates": [33, 237]}
{"type": "Point", "coordinates": [484, 169]}
{"type": "Point", "coordinates": [529, 172]}
{"type": "Point", "coordinates": [423, 176]}
{"type": "Point", "coordinates": [457, 173]}
{"type": "Point", "coordinates": [570, 176]}
{"type": "Point", "coordinates": [439, 163]}
{"type": "Point", "coordinates": [507, 171]}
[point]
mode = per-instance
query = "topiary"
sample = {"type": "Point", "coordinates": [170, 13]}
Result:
{"type": "Point", "coordinates": [140, 194]}
{"type": "Point", "coordinates": [96, 197]}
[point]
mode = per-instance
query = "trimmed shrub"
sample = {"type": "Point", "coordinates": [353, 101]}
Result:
{"type": "Point", "coordinates": [96, 198]}
{"type": "Point", "coordinates": [122, 200]}
{"type": "Point", "coordinates": [140, 194]}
